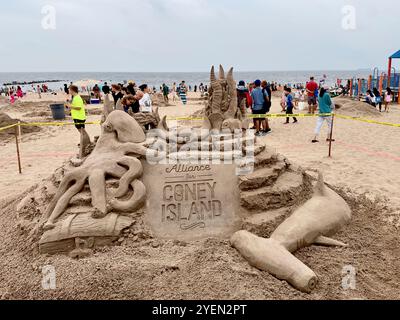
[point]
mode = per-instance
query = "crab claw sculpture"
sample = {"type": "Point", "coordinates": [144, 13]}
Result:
{"type": "Point", "coordinates": [222, 110]}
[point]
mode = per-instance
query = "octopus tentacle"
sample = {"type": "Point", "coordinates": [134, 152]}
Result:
{"type": "Point", "coordinates": [64, 185]}
{"type": "Point", "coordinates": [116, 171]}
{"type": "Point", "coordinates": [97, 184]}
{"type": "Point", "coordinates": [63, 202]}
{"type": "Point", "coordinates": [137, 149]}
{"type": "Point", "coordinates": [134, 203]}
{"type": "Point", "coordinates": [135, 171]}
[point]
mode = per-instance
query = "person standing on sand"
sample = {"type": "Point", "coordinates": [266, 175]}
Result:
{"type": "Point", "coordinates": [311, 87]}
{"type": "Point", "coordinates": [78, 114]}
{"type": "Point", "coordinates": [106, 88]}
{"type": "Point", "coordinates": [20, 93]}
{"type": "Point", "coordinates": [289, 105]}
{"type": "Point", "coordinates": [259, 97]}
{"type": "Point", "coordinates": [39, 91]}
{"type": "Point", "coordinates": [116, 92]}
{"type": "Point", "coordinates": [388, 98]}
{"type": "Point", "coordinates": [174, 95]}
{"type": "Point", "coordinates": [165, 91]}
{"type": "Point", "coordinates": [66, 90]}
{"type": "Point", "coordinates": [325, 106]}
{"type": "Point", "coordinates": [183, 89]}
{"type": "Point", "coordinates": [378, 99]}
{"type": "Point", "coordinates": [266, 90]}
{"type": "Point", "coordinates": [244, 98]}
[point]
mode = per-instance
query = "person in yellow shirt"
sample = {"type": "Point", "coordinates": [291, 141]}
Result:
{"type": "Point", "coordinates": [78, 114]}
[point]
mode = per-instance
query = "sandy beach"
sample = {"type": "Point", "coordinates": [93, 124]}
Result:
{"type": "Point", "coordinates": [363, 168]}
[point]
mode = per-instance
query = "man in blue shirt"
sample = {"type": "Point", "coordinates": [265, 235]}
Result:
{"type": "Point", "coordinates": [259, 97]}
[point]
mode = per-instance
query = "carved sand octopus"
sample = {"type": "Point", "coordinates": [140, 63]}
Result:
{"type": "Point", "coordinates": [116, 155]}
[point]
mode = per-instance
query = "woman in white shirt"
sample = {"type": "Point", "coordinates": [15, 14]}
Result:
{"type": "Point", "coordinates": [146, 105]}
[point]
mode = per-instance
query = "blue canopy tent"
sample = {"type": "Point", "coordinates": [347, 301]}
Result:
{"type": "Point", "coordinates": [393, 56]}
{"type": "Point", "coordinates": [395, 84]}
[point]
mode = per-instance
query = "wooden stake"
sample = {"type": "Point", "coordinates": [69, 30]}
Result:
{"type": "Point", "coordinates": [17, 143]}
{"type": "Point", "coordinates": [331, 137]}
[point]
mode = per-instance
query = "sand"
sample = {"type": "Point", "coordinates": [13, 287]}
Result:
{"type": "Point", "coordinates": [364, 163]}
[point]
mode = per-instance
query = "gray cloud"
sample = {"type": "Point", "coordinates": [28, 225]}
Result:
{"type": "Point", "coordinates": [190, 35]}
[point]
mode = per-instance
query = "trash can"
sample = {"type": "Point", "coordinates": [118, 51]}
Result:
{"type": "Point", "coordinates": [58, 111]}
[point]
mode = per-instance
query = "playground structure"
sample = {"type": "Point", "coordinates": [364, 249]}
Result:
{"type": "Point", "coordinates": [381, 80]}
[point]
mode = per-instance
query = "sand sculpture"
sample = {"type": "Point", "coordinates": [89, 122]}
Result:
{"type": "Point", "coordinates": [115, 155]}
{"type": "Point", "coordinates": [222, 110]}
{"type": "Point", "coordinates": [279, 211]}
{"type": "Point", "coordinates": [323, 215]}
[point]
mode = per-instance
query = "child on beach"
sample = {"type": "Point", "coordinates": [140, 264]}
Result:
{"type": "Point", "coordinates": [378, 99]}
{"type": "Point", "coordinates": [289, 105]}
{"type": "Point", "coordinates": [283, 100]}
{"type": "Point", "coordinates": [388, 98]}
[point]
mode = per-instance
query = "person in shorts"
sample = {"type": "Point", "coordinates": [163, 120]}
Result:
{"type": "Point", "coordinates": [259, 96]}
{"type": "Point", "coordinates": [311, 88]}
{"type": "Point", "coordinates": [78, 114]}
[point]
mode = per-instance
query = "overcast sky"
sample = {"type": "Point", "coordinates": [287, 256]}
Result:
{"type": "Point", "coordinates": [191, 35]}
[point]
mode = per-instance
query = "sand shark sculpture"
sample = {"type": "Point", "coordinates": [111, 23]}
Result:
{"type": "Point", "coordinates": [321, 216]}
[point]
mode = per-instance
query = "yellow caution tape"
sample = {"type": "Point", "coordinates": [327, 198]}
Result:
{"type": "Point", "coordinates": [284, 115]}
{"type": "Point", "coordinates": [41, 124]}
{"type": "Point", "coordinates": [9, 127]}
{"type": "Point", "coordinates": [250, 116]}
{"type": "Point", "coordinates": [368, 121]}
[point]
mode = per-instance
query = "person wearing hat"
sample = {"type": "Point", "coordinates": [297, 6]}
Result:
{"type": "Point", "coordinates": [244, 98]}
{"type": "Point", "coordinates": [326, 106]}
{"type": "Point", "coordinates": [259, 97]}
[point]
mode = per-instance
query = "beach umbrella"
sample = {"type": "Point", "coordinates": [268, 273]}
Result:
{"type": "Point", "coordinates": [86, 83]}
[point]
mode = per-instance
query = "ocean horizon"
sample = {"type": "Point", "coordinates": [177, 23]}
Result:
{"type": "Point", "coordinates": [192, 78]}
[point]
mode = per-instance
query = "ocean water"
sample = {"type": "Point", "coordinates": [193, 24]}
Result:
{"type": "Point", "coordinates": [156, 79]}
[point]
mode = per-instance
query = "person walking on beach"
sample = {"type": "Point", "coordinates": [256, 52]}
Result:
{"type": "Point", "coordinates": [78, 114]}
{"type": "Point", "coordinates": [388, 98]}
{"type": "Point", "coordinates": [289, 105]}
{"type": "Point", "coordinates": [66, 90]}
{"type": "Point", "coordinates": [325, 107]}
{"type": "Point", "coordinates": [39, 91]}
{"type": "Point", "coordinates": [183, 89]}
{"type": "Point", "coordinates": [378, 99]}
{"type": "Point", "coordinates": [311, 88]}
{"type": "Point", "coordinates": [165, 91]}
{"type": "Point", "coordinates": [258, 97]}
